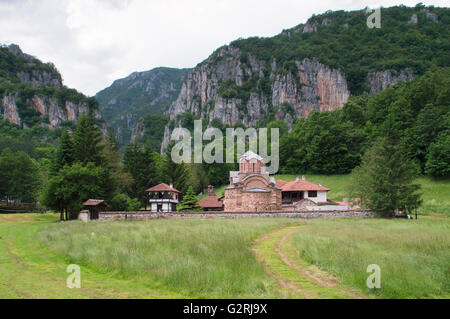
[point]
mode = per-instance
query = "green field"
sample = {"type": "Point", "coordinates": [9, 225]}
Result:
{"type": "Point", "coordinates": [224, 258]}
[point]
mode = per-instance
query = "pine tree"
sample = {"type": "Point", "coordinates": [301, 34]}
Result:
{"type": "Point", "coordinates": [64, 153]}
{"type": "Point", "coordinates": [87, 142]}
{"type": "Point", "coordinates": [189, 202]}
{"type": "Point", "coordinates": [385, 179]}
{"type": "Point", "coordinates": [438, 158]}
{"type": "Point", "coordinates": [139, 163]}
{"type": "Point", "coordinates": [173, 173]}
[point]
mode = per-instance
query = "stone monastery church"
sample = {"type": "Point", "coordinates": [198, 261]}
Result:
{"type": "Point", "coordinates": [253, 190]}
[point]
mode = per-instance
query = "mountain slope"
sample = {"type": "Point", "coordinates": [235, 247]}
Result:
{"type": "Point", "coordinates": [313, 66]}
{"type": "Point", "coordinates": [128, 100]}
{"type": "Point", "coordinates": [32, 93]}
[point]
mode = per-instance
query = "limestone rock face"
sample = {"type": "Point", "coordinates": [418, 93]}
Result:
{"type": "Point", "coordinates": [41, 107]}
{"type": "Point", "coordinates": [47, 108]}
{"type": "Point", "coordinates": [414, 19]}
{"type": "Point", "coordinates": [36, 76]}
{"type": "Point", "coordinates": [313, 86]}
{"type": "Point", "coordinates": [9, 110]}
{"type": "Point", "coordinates": [379, 81]}
{"type": "Point", "coordinates": [430, 15]}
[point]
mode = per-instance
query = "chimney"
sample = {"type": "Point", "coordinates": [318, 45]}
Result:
{"type": "Point", "coordinates": [171, 185]}
{"type": "Point", "coordinates": [211, 190]}
{"type": "Point", "coordinates": [304, 178]}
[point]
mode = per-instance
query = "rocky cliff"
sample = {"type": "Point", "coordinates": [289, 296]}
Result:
{"type": "Point", "coordinates": [32, 93]}
{"type": "Point", "coordinates": [312, 66]}
{"type": "Point", "coordinates": [212, 90]}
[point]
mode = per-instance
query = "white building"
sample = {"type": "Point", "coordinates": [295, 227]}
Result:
{"type": "Point", "coordinates": [163, 198]}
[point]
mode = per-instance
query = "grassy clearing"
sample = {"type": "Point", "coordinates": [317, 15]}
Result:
{"type": "Point", "coordinates": [29, 270]}
{"type": "Point", "coordinates": [436, 193]}
{"type": "Point", "coordinates": [196, 258]}
{"type": "Point", "coordinates": [413, 255]}
{"type": "Point", "coordinates": [213, 258]}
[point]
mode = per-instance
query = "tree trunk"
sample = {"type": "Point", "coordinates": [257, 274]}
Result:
{"type": "Point", "coordinates": [61, 215]}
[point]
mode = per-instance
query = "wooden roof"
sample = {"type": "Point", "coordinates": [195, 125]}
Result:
{"type": "Point", "coordinates": [94, 203]}
{"type": "Point", "coordinates": [163, 187]}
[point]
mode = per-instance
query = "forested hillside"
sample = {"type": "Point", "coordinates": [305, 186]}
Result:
{"type": "Point", "coordinates": [127, 101]}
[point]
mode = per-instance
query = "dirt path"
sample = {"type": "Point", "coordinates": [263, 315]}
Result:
{"type": "Point", "coordinates": [298, 279]}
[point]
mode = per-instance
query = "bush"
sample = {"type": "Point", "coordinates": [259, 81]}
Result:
{"type": "Point", "coordinates": [120, 202]}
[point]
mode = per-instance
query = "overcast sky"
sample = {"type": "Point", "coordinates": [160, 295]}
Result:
{"type": "Point", "coordinates": [94, 42]}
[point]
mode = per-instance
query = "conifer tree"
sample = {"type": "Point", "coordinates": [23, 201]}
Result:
{"type": "Point", "coordinates": [64, 153]}
{"type": "Point", "coordinates": [385, 179]}
{"type": "Point", "coordinates": [174, 173]}
{"type": "Point", "coordinates": [189, 202]}
{"type": "Point", "coordinates": [87, 142]}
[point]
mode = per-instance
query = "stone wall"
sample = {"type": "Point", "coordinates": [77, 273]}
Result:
{"type": "Point", "coordinates": [146, 215]}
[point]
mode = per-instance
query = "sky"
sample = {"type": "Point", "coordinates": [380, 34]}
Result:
{"type": "Point", "coordinates": [94, 42]}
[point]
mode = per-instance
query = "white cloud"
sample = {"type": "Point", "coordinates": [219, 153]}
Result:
{"type": "Point", "coordinates": [94, 42]}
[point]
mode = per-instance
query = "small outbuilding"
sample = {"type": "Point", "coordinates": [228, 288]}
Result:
{"type": "Point", "coordinates": [94, 206]}
{"type": "Point", "coordinates": [212, 202]}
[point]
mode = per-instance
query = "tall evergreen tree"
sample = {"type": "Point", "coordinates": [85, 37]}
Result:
{"type": "Point", "coordinates": [64, 153]}
{"type": "Point", "coordinates": [189, 201]}
{"type": "Point", "coordinates": [385, 179]}
{"type": "Point", "coordinates": [139, 162]}
{"type": "Point", "coordinates": [87, 142]}
{"type": "Point", "coordinates": [173, 173]}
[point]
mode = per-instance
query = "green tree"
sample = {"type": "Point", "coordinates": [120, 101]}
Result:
{"type": "Point", "coordinates": [173, 173]}
{"type": "Point", "coordinates": [64, 153]}
{"type": "Point", "coordinates": [114, 163]}
{"type": "Point", "coordinates": [87, 142]}
{"type": "Point", "coordinates": [385, 179]}
{"type": "Point", "coordinates": [139, 163]}
{"type": "Point", "coordinates": [189, 202]}
{"type": "Point", "coordinates": [75, 184]}
{"type": "Point", "coordinates": [121, 202]}
{"type": "Point", "coordinates": [19, 176]}
{"type": "Point", "coordinates": [438, 158]}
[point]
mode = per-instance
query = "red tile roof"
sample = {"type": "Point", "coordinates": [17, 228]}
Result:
{"type": "Point", "coordinates": [280, 183]}
{"type": "Point", "coordinates": [163, 187]}
{"type": "Point", "coordinates": [211, 202]}
{"type": "Point", "coordinates": [300, 185]}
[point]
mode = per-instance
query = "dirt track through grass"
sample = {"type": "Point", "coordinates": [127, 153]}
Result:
{"type": "Point", "coordinates": [299, 279]}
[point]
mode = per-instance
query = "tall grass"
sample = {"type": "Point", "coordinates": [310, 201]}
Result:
{"type": "Point", "coordinates": [199, 258]}
{"type": "Point", "coordinates": [414, 256]}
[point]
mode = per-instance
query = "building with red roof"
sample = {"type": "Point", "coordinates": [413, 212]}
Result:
{"type": "Point", "coordinates": [253, 190]}
{"type": "Point", "coordinates": [302, 189]}
{"type": "Point", "coordinates": [212, 202]}
{"type": "Point", "coordinates": [163, 198]}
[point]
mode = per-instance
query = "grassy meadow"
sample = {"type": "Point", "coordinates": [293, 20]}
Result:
{"type": "Point", "coordinates": [224, 258]}
{"type": "Point", "coordinates": [414, 256]}
{"type": "Point", "coordinates": [199, 258]}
